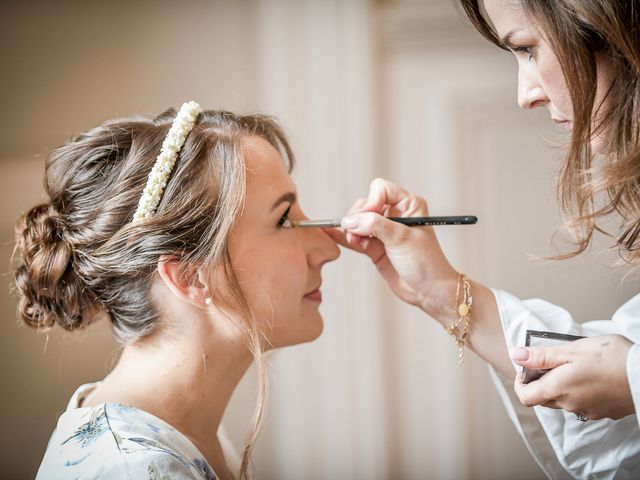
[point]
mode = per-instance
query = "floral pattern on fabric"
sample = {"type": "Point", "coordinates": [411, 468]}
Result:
{"type": "Point", "coordinates": [114, 441]}
{"type": "Point", "coordinates": [88, 432]}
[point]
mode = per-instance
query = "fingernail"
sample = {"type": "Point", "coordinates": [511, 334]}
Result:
{"type": "Point", "coordinates": [349, 222]}
{"type": "Point", "coordinates": [365, 243]}
{"type": "Point", "coordinates": [349, 237]}
{"type": "Point", "coordinates": [519, 354]}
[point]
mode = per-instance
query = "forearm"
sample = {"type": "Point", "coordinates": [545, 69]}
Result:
{"type": "Point", "coordinates": [486, 336]}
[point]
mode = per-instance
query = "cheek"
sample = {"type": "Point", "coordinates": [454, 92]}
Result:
{"type": "Point", "coordinates": [555, 86]}
{"type": "Point", "coordinates": [273, 277]}
{"type": "Point", "coordinates": [286, 275]}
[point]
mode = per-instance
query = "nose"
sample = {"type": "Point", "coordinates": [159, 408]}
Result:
{"type": "Point", "coordinates": [530, 91]}
{"type": "Point", "coordinates": [320, 247]}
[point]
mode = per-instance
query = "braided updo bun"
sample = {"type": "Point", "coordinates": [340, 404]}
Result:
{"type": "Point", "coordinates": [50, 291]}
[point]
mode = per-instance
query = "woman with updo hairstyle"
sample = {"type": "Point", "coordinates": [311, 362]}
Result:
{"type": "Point", "coordinates": [176, 230]}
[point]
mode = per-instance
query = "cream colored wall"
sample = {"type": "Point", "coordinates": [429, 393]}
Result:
{"type": "Point", "coordinates": [402, 89]}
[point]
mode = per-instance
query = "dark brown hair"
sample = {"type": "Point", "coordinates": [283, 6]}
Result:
{"type": "Point", "coordinates": [79, 257]}
{"type": "Point", "coordinates": [579, 31]}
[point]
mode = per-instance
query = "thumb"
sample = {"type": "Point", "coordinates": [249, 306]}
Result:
{"type": "Point", "coordinates": [539, 358]}
{"type": "Point", "coordinates": [375, 225]}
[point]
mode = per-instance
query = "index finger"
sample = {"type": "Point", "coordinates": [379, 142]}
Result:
{"type": "Point", "coordinates": [531, 394]}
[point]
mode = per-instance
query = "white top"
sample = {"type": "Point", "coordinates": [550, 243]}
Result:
{"type": "Point", "coordinates": [115, 441]}
{"type": "Point", "coordinates": [563, 446]}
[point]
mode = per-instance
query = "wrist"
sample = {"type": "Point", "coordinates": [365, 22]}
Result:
{"type": "Point", "coordinates": [439, 302]}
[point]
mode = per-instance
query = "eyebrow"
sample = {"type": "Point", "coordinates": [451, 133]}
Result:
{"type": "Point", "coordinates": [289, 197]}
{"type": "Point", "coordinates": [506, 40]}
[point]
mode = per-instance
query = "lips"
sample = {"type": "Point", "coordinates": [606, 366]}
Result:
{"type": "Point", "coordinates": [314, 295]}
{"type": "Point", "coordinates": [567, 124]}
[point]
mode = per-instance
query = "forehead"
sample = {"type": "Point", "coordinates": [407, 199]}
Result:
{"type": "Point", "coordinates": [507, 15]}
{"type": "Point", "coordinates": [267, 176]}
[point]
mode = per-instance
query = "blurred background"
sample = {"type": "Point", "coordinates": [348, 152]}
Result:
{"type": "Point", "coordinates": [403, 89]}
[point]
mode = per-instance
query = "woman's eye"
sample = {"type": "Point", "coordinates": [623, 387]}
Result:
{"type": "Point", "coordinates": [284, 221]}
{"type": "Point", "coordinates": [525, 50]}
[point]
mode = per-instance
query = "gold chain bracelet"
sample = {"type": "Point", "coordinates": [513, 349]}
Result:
{"type": "Point", "coordinates": [459, 329]}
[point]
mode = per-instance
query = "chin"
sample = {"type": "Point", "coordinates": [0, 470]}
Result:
{"type": "Point", "coordinates": [316, 327]}
{"type": "Point", "coordinates": [316, 334]}
{"type": "Point", "coordinates": [311, 329]}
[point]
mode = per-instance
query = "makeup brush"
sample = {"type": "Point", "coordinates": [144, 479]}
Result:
{"type": "Point", "coordinates": [408, 221]}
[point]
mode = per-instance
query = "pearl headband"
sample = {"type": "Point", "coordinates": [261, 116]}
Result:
{"type": "Point", "coordinates": [157, 181]}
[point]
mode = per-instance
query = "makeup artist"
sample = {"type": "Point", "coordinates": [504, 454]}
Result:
{"type": "Point", "coordinates": [579, 59]}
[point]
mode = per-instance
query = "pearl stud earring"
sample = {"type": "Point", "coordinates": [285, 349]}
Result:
{"type": "Point", "coordinates": [208, 301]}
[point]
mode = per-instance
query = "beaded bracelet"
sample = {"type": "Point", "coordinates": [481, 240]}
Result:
{"type": "Point", "coordinates": [459, 329]}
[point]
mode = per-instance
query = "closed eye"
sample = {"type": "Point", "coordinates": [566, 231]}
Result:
{"type": "Point", "coordinates": [523, 50]}
{"type": "Point", "coordinates": [284, 221]}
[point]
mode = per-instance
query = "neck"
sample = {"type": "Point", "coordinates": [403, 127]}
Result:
{"type": "Point", "coordinates": [185, 378]}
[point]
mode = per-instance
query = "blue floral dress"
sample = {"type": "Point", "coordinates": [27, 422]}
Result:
{"type": "Point", "coordinates": [114, 441]}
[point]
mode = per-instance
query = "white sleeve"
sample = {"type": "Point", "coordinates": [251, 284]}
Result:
{"type": "Point", "coordinates": [606, 449]}
{"type": "Point", "coordinates": [633, 375]}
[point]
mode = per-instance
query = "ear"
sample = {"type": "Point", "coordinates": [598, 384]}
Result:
{"type": "Point", "coordinates": [188, 284]}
